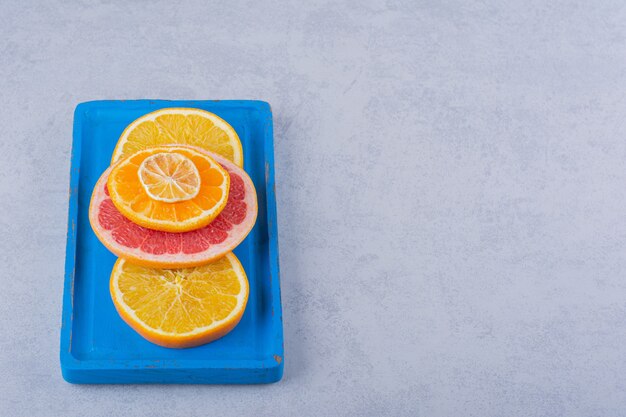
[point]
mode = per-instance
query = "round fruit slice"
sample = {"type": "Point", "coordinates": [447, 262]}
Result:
{"type": "Point", "coordinates": [169, 177]}
{"type": "Point", "coordinates": [160, 249]}
{"type": "Point", "coordinates": [169, 188]}
{"type": "Point", "coordinates": [184, 126]}
{"type": "Point", "coordinates": [181, 308]}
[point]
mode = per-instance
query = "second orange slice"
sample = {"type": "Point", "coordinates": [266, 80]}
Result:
{"type": "Point", "coordinates": [169, 188]}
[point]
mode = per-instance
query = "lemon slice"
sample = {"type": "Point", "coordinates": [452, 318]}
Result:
{"type": "Point", "coordinates": [169, 177]}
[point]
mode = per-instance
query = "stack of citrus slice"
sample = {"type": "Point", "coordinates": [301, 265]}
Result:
{"type": "Point", "coordinates": [173, 205]}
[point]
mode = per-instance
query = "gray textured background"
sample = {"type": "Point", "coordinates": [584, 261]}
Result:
{"type": "Point", "coordinates": [451, 193]}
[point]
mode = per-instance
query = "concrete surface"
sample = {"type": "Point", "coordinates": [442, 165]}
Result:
{"type": "Point", "coordinates": [451, 194]}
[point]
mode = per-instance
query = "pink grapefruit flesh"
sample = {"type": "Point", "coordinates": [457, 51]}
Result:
{"type": "Point", "coordinates": [177, 250]}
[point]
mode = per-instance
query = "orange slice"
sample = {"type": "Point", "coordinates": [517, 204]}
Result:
{"type": "Point", "coordinates": [169, 188]}
{"type": "Point", "coordinates": [181, 307]}
{"type": "Point", "coordinates": [181, 126]}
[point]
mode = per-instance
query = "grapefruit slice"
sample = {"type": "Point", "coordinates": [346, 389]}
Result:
{"type": "Point", "coordinates": [184, 126]}
{"type": "Point", "coordinates": [180, 308]}
{"type": "Point", "coordinates": [158, 249]}
{"type": "Point", "coordinates": [169, 188]}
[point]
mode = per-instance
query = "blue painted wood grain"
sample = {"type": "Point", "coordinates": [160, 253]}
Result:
{"type": "Point", "coordinates": [96, 345]}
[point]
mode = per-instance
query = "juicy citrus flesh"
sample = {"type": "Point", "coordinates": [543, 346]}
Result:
{"type": "Point", "coordinates": [169, 177]}
{"type": "Point", "coordinates": [182, 126]}
{"type": "Point", "coordinates": [135, 200]}
{"type": "Point", "coordinates": [181, 307]}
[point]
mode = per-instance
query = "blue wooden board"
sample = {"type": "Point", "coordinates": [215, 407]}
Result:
{"type": "Point", "coordinates": [96, 345]}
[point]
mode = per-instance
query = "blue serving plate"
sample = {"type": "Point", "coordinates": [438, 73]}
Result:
{"type": "Point", "coordinates": [96, 345]}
